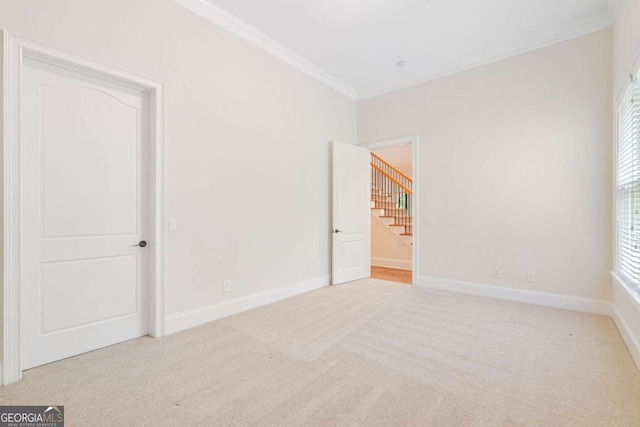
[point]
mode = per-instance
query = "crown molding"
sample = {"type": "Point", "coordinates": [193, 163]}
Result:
{"type": "Point", "coordinates": [241, 29]}
{"type": "Point", "coordinates": [219, 16]}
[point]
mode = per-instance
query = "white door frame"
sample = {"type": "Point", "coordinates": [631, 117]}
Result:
{"type": "Point", "coordinates": [411, 139]}
{"type": "Point", "coordinates": [15, 49]}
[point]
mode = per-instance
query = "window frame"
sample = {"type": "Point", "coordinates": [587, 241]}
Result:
{"type": "Point", "coordinates": [633, 286]}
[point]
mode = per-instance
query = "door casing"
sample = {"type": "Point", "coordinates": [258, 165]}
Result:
{"type": "Point", "coordinates": [411, 139]}
{"type": "Point", "coordinates": [14, 50]}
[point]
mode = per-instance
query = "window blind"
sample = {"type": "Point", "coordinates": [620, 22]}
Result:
{"type": "Point", "coordinates": [628, 186]}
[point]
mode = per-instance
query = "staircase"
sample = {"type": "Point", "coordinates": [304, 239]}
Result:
{"type": "Point", "coordinates": [392, 198]}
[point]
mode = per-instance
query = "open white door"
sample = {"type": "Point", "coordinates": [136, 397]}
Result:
{"type": "Point", "coordinates": [84, 213]}
{"type": "Point", "coordinates": [351, 219]}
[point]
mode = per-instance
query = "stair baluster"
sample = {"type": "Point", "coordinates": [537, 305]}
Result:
{"type": "Point", "coordinates": [392, 191]}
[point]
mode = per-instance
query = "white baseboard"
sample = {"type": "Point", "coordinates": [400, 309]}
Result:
{"type": "Point", "coordinates": [566, 302]}
{"type": "Point", "coordinates": [392, 263]}
{"type": "Point", "coordinates": [632, 342]}
{"type": "Point", "coordinates": [189, 319]}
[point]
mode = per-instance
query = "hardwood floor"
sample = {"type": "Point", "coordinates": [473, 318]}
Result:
{"type": "Point", "coordinates": [391, 274]}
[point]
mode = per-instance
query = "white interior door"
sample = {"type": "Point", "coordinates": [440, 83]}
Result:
{"type": "Point", "coordinates": [351, 219]}
{"type": "Point", "coordinates": [84, 204]}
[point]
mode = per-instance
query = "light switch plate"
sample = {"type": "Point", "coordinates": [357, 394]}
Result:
{"type": "Point", "coordinates": [430, 220]}
{"type": "Point", "coordinates": [173, 225]}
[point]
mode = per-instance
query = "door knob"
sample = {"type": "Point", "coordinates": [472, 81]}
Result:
{"type": "Point", "coordinates": [142, 244]}
{"type": "Point", "coordinates": [337, 231]}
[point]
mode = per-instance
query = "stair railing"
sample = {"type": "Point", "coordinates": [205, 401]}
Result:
{"type": "Point", "coordinates": [398, 188]}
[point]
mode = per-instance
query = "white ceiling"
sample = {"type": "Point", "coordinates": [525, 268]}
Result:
{"type": "Point", "coordinates": [359, 41]}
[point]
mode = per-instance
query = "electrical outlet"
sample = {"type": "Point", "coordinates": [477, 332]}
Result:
{"type": "Point", "coordinates": [497, 273]}
{"type": "Point", "coordinates": [173, 225]}
{"type": "Point", "coordinates": [226, 285]}
{"type": "Point", "coordinates": [531, 276]}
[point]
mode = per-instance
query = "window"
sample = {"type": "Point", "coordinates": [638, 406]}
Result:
{"type": "Point", "coordinates": [628, 187]}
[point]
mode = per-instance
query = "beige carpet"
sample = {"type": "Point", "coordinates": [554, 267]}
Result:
{"type": "Point", "coordinates": [368, 353]}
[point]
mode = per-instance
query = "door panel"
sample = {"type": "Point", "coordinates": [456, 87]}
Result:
{"type": "Point", "coordinates": [67, 302]}
{"type": "Point", "coordinates": [78, 202]}
{"type": "Point", "coordinates": [84, 204]}
{"type": "Point", "coordinates": [351, 217]}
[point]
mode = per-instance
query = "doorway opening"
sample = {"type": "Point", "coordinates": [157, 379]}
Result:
{"type": "Point", "coordinates": [393, 203]}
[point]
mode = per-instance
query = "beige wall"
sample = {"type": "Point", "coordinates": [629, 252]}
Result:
{"type": "Point", "coordinates": [515, 163]}
{"type": "Point", "coordinates": [247, 151]}
{"type": "Point", "coordinates": [626, 42]}
{"type": "Point", "coordinates": [387, 245]}
{"type": "Point", "coordinates": [398, 156]}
